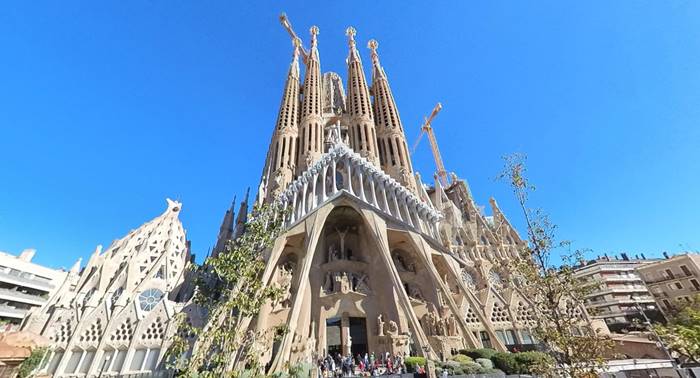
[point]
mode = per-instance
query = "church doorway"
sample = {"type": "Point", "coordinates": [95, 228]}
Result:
{"type": "Point", "coordinates": [334, 344]}
{"type": "Point", "coordinates": [358, 336]}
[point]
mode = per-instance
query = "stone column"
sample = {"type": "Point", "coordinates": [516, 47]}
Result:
{"type": "Point", "coordinates": [345, 333]}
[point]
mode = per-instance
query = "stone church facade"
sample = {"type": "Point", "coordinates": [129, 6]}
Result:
{"type": "Point", "coordinates": [375, 259]}
{"type": "Point", "coordinates": [113, 319]}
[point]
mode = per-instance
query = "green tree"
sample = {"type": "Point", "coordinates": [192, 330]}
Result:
{"type": "Point", "coordinates": [32, 362]}
{"type": "Point", "coordinates": [231, 290]}
{"type": "Point", "coordinates": [557, 296]}
{"type": "Point", "coordinates": [682, 332]}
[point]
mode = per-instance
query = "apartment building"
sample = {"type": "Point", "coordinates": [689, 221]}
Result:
{"type": "Point", "coordinates": [673, 281]}
{"type": "Point", "coordinates": [23, 286]}
{"type": "Point", "coordinates": [621, 293]}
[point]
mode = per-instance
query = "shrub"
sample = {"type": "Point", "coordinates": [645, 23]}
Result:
{"type": "Point", "coordinates": [532, 362]}
{"type": "Point", "coordinates": [485, 363]}
{"type": "Point", "coordinates": [413, 362]}
{"type": "Point", "coordinates": [472, 368]}
{"type": "Point", "coordinates": [300, 370]}
{"type": "Point", "coordinates": [506, 362]}
{"type": "Point", "coordinates": [461, 358]}
{"type": "Point", "coordinates": [32, 362]}
{"type": "Point", "coordinates": [480, 353]}
{"type": "Point", "coordinates": [452, 367]}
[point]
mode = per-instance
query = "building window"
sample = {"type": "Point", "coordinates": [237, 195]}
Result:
{"type": "Point", "coordinates": [526, 337]}
{"type": "Point", "coordinates": [151, 359]}
{"type": "Point", "coordinates": [149, 298]}
{"type": "Point", "coordinates": [73, 361]}
{"type": "Point", "coordinates": [695, 283]}
{"type": "Point", "coordinates": [669, 274]}
{"type": "Point", "coordinates": [55, 360]}
{"type": "Point", "coordinates": [679, 286]}
{"type": "Point", "coordinates": [507, 337]}
{"type": "Point", "coordinates": [667, 304]}
{"type": "Point", "coordinates": [87, 362]}
{"type": "Point", "coordinates": [107, 357]}
{"type": "Point", "coordinates": [118, 361]}
{"type": "Point", "coordinates": [485, 339]}
{"type": "Point", "coordinates": [686, 270]}
{"type": "Point", "coordinates": [137, 359]}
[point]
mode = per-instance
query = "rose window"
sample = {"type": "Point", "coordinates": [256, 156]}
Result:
{"type": "Point", "coordinates": [148, 299]}
{"type": "Point", "coordinates": [495, 279]}
{"type": "Point", "coordinates": [468, 279]}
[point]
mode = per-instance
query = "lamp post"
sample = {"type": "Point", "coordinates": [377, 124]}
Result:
{"type": "Point", "coordinates": [659, 342]}
{"type": "Point", "coordinates": [106, 363]}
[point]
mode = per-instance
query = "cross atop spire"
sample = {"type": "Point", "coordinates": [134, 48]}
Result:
{"type": "Point", "coordinates": [314, 42]}
{"type": "Point", "coordinates": [314, 33]}
{"type": "Point", "coordinates": [351, 32]}
{"type": "Point", "coordinates": [377, 70]}
{"type": "Point", "coordinates": [294, 67]}
{"type": "Point", "coordinates": [373, 45]}
{"type": "Point", "coordinates": [354, 55]}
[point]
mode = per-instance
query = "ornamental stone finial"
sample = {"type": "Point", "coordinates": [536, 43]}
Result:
{"type": "Point", "coordinates": [314, 32]}
{"type": "Point", "coordinates": [350, 32]}
{"type": "Point", "coordinates": [373, 45]}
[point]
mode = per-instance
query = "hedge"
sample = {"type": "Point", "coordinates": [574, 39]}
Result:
{"type": "Point", "coordinates": [412, 362]}
{"type": "Point", "coordinates": [479, 353]}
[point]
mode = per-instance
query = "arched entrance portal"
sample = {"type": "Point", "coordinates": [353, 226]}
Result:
{"type": "Point", "coordinates": [346, 334]}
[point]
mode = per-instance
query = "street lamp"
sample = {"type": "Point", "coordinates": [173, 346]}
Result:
{"type": "Point", "coordinates": [659, 342]}
{"type": "Point", "coordinates": [106, 363]}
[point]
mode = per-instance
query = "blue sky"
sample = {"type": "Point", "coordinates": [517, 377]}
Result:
{"type": "Point", "coordinates": [107, 108]}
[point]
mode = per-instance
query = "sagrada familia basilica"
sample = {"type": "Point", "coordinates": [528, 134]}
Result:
{"type": "Point", "coordinates": [375, 259]}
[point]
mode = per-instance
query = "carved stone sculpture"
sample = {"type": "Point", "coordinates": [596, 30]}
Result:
{"type": "Point", "coordinates": [393, 328]}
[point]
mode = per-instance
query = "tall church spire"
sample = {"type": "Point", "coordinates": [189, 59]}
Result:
{"type": "Point", "coordinates": [225, 230]}
{"type": "Point", "coordinates": [363, 138]}
{"type": "Point", "coordinates": [391, 140]}
{"type": "Point", "coordinates": [282, 155]}
{"type": "Point", "coordinates": [311, 125]}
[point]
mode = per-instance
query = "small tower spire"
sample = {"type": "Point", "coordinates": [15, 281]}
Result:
{"type": "Point", "coordinates": [242, 217]}
{"type": "Point", "coordinates": [377, 70]}
{"type": "Point", "coordinates": [353, 54]}
{"type": "Point", "coordinates": [311, 125]}
{"type": "Point", "coordinates": [393, 149]}
{"type": "Point", "coordinates": [363, 137]}
{"type": "Point", "coordinates": [314, 42]}
{"type": "Point", "coordinates": [225, 230]}
{"type": "Point", "coordinates": [282, 154]}
{"type": "Point", "coordinates": [75, 269]}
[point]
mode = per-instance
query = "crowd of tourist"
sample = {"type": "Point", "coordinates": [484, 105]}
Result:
{"type": "Point", "coordinates": [369, 364]}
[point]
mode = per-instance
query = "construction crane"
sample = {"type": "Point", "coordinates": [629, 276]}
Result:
{"type": "Point", "coordinates": [428, 129]}
{"type": "Point", "coordinates": [295, 38]}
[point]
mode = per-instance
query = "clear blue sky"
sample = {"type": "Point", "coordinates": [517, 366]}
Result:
{"type": "Point", "coordinates": [107, 108]}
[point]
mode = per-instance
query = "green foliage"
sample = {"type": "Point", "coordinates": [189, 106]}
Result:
{"type": "Point", "coordinates": [31, 363]}
{"type": "Point", "coordinates": [452, 367]}
{"type": "Point", "coordinates": [682, 332]}
{"type": "Point", "coordinates": [523, 362]}
{"type": "Point", "coordinates": [473, 368]}
{"type": "Point", "coordinates": [463, 364]}
{"type": "Point", "coordinates": [479, 353]}
{"type": "Point", "coordinates": [231, 290]}
{"type": "Point", "coordinates": [485, 363]}
{"type": "Point", "coordinates": [301, 370]}
{"type": "Point", "coordinates": [533, 362]}
{"type": "Point", "coordinates": [461, 358]}
{"type": "Point", "coordinates": [413, 362]}
{"type": "Point", "coordinates": [555, 294]}
{"type": "Point", "coordinates": [506, 361]}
